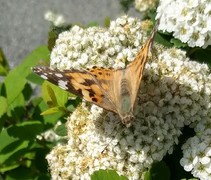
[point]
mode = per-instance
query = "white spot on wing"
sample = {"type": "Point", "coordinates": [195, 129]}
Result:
{"type": "Point", "coordinates": [43, 76]}
{"type": "Point", "coordinates": [62, 84]}
{"type": "Point", "coordinates": [58, 75]}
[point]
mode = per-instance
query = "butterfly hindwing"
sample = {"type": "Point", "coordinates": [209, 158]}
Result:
{"type": "Point", "coordinates": [104, 78]}
{"type": "Point", "coordinates": [117, 89]}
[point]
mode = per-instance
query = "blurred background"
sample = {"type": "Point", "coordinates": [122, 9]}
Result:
{"type": "Point", "coordinates": [23, 27]}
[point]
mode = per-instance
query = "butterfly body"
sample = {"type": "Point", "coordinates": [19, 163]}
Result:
{"type": "Point", "coordinates": [112, 89]}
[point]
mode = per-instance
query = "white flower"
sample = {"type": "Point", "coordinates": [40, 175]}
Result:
{"type": "Point", "coordinates": [143, 5]}
{"type": "Point", "coordinates": [97, 46]}
{"type": "Point", "coordinates": [55, 19]}
{"type": "Point", "coordinates": [188, 20]}
{"type": "Point", "coordinates": [198, 151]}
{"type": "Point", "coordinates": [49, 16]}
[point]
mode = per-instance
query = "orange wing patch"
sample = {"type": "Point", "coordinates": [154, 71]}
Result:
{"type": "Point", "coordinates": [101, 73]}
{"type": "Point", "coordinates": [85, 85]}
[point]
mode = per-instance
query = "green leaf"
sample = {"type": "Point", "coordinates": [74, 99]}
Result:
{"type": "Point", "coordinates": [158, 170]}
{"type": "Point", "coordinates": [163, 39]}
{"type": "Point", "coordinates": [16, 109]}
{"type": "Point", "coordinates": [7, 167]}
{"type": "Point", "coordinates": [126, 4]}
{"type": "Point", "coordinates": [27, 92]}
{"type": "Point", "coordinates": [40, 162]}
{"type": "Point", "coordinates": [3, 110]}
{"type": "Point", "coordinates": [14, 84]}
{"type": "Point", "coordinates": [16, 79]}
{"type": "Point", "coordinates": [26, 130]}
{"type": "Point", "coordinates": [107, 22]}
{"type": "Point", "coordinates": [22, 173]}
{"type": "Point", "coordinates": [54, 95]}
{"type": "Point", "coordinates": [11, 149]}
{"type": "Point", "coordinates": [106, 175]}
{"type": "Point", "coordinates": [4, 67]}
{"type": "Point", "coordinates": [61, 130]}
{"type": "Point", "coordinates": [34, 78]}
{"type": "Point", "coordinates": [177, 43]}
{"type": "Point", "coordinates": [50, 119]}
{"type": "Point", "coordinates": [54, 32]}
{"type": "Point", "coordinates": [150, 14]}
{"type": "Point", "coordinates": [36, 101]}
{"type": "Point", "coordinates": [93, 24]}
{"type": "Point", "coordinates": [2, 89]}
{"type": "Point", "coordinates": [173, 160]}
{"type": "Point", "coordinates": [6, 140]}
{"type": "Point", "coordinates": [52, 36]}
{"type": "Point", "coordinates": [53, 110]}
{"type": "Point", "coordinates": [3, 105]}
{"type": "Point", "coordinates": [201, 55]}
{"type": "Point", "coordinates": [38, 55]}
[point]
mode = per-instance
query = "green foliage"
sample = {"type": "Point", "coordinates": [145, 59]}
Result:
{"type": "Point", "coordinates": [54, 97]}
{"type": "Point", "coordinates": [107, 22]}
{"type": "Point", "coordinates": [61, 130]}
{"type": "Point", "coordinates": [158, 171]}
{"type": "Point", "coordinates": [4, 67]}
{"type": "Point", "coordinates": [177, 43]}
{"type": "Point", "coordinates": [93, 24]}
{"type": "Point", "coordinates": [107, 175]}
{"type": "Point", "coordinates": [53, 34]}
{"type": "Point", "coordinates": [197, 54]}
{"type": "Point", "coordinates": [163, 39]}
{"type": "Point", "coordinates": [201, 55]}
{"type": "Point", "coordinates": [173, 160]}
{"type": "Point", "coordinates": [3, 109]}
{"type": "Point", "coordinates": [126, 4]}
{"type": "Point", "coordinates": [23, 147]}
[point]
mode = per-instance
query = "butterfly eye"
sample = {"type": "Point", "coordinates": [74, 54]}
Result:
{"type": "Point", "coordinates": [128, 119]}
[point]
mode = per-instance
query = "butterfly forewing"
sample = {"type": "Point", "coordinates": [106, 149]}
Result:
{"type": "Point", "coordinates": [135, 69]}
{"type": "Point", "coordinates": [91, 85]}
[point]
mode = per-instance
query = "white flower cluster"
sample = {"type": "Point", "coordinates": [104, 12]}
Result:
{"type": "Point", "coordinates": [143, 5]}
{"type": "Point", "coordinates": [56, 19]}
{"type": "Point", "coordinates": [189, 20]}
{"type": "Point", "coordinates": [95, 46]}
{"type": "Point", "coordinates": [197, 151]}
{"type": "Point", "coordinates": [174, 92]}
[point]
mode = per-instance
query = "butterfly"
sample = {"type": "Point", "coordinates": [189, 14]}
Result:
{"type": "Point", "coordinates": [114, 90]}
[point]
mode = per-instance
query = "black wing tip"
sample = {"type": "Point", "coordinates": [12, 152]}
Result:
{"type": "Point", "coordinates": [35, 69]}
{"type": "Point", "coordinates": [154, 30]}
{"type": "Point", "coordinates": [39, 69]}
